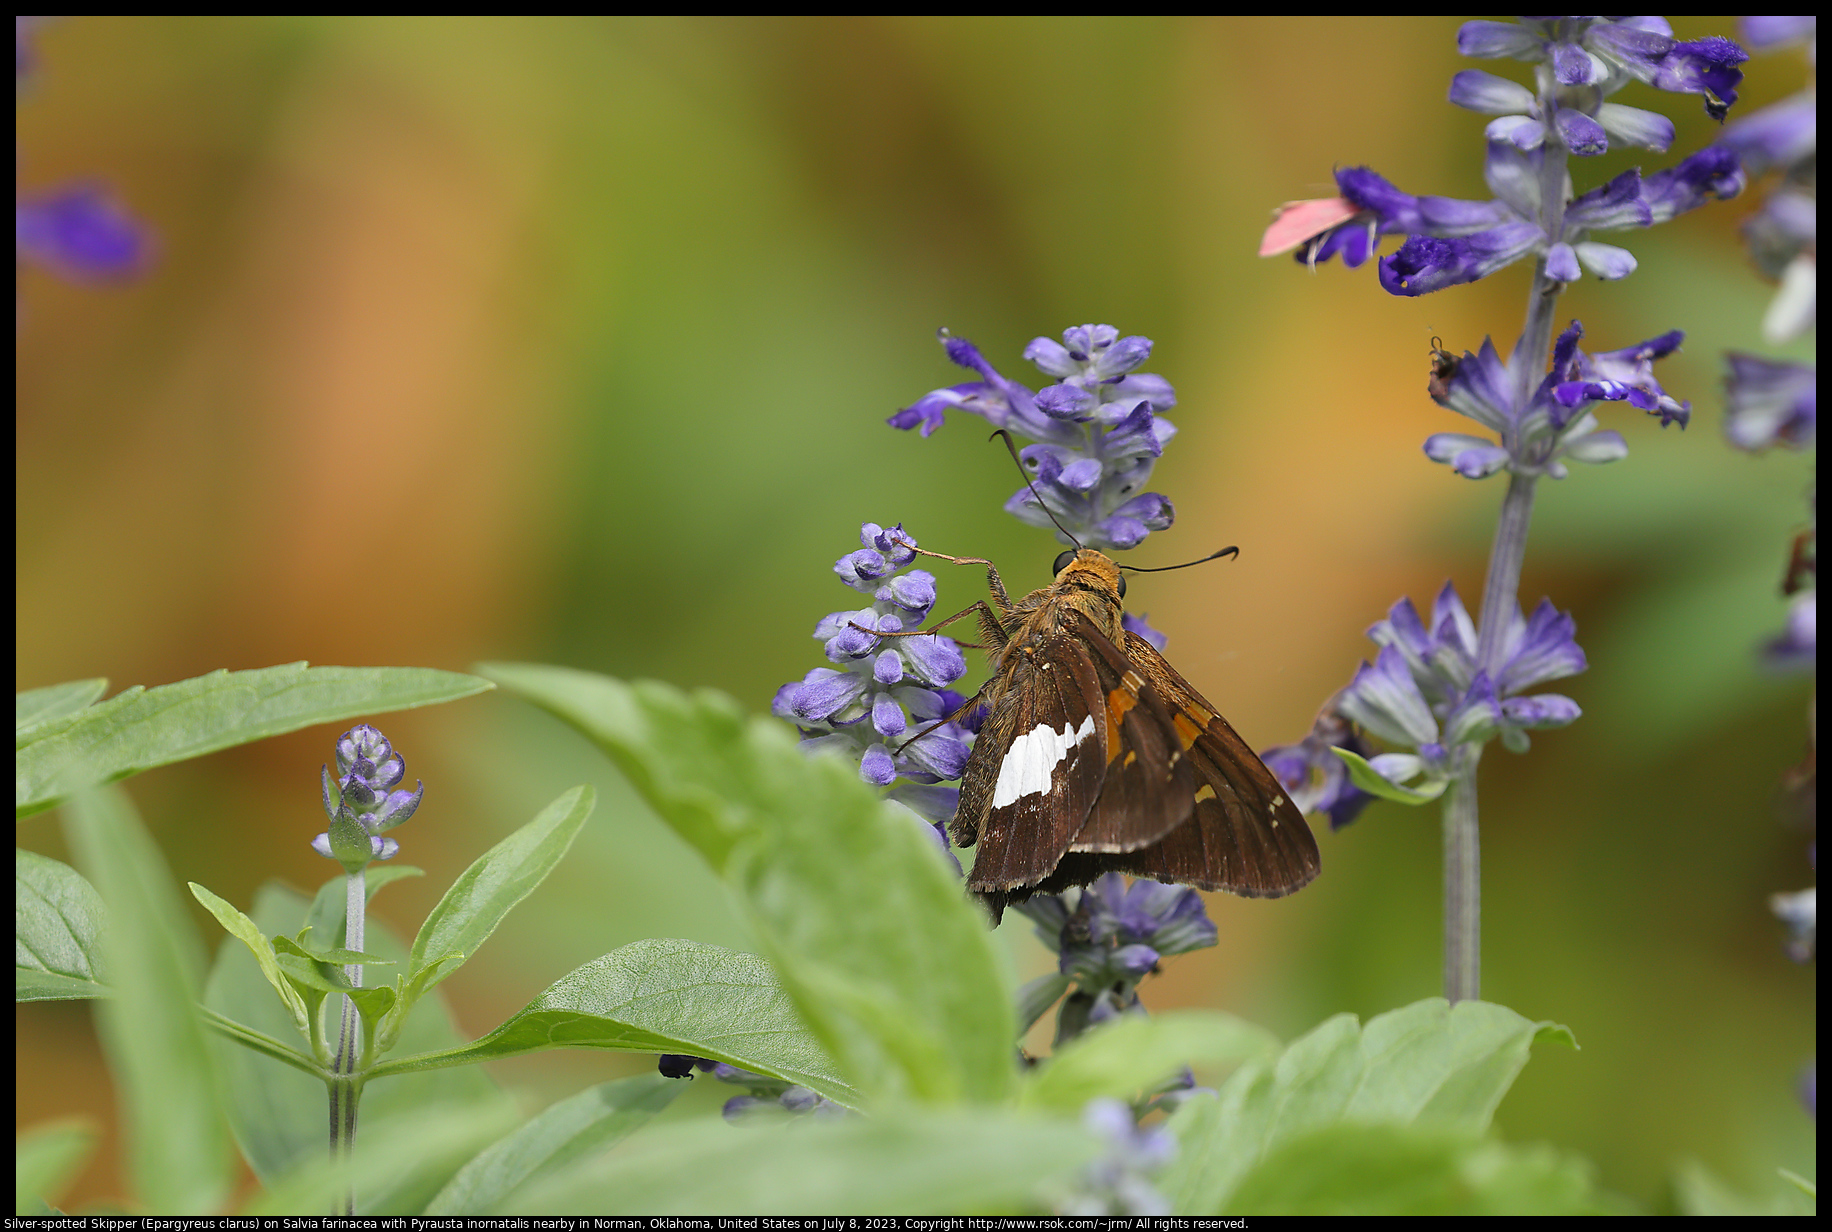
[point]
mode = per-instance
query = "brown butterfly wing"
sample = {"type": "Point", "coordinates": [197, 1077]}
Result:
{"type": "Point", "coordinates": [1036, 768]}
{"type": "Point", "coordinates": [1245, 836]}
{"type": "Point", "coordinates": [1149, 788]}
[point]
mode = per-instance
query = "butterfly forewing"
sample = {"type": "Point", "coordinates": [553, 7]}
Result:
{"type": "Point", "coordinates": [1046, 756]}
{"type": "Point", "coordinates": [1149, 785]}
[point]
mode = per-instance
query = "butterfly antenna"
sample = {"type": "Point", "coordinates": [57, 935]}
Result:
{"type": "Point", "coordinates": [1186, 564]}
{"type": "Point", "coordinates": [1013, 451]}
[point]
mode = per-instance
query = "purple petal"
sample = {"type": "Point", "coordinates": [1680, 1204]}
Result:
{"type": "Point", "coordinates": [1485, 92]}
{"type": "Point", "coordinates": [1491, 40]}
{"type": "Point", "coordinates": [876, 767]}
{"type": "Point", "coordinates": [1562, 263]}
{"type": "Point", "coordinates": [1582, 135]}
{"type": "Point", "coordinates": [1540, 710]}
{"type": "Point", "coordinates": [80, 232]}
{"type": "Point", "coordinates": [1648, 130]}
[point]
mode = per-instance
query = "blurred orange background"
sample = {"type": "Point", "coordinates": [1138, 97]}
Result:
{"type": "Point", "coordinates": [572, 340]}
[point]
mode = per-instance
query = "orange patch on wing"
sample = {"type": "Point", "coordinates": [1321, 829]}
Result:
{"type": "Point", "coordinates": [1205, 792]}
{"type": "Point", "coordinates": [1190, 724]}
{"type": "Point", "coordinates": [1119, 701]}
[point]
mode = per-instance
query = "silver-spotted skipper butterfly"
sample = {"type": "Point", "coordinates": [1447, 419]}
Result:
{"type": "Point", "coordinates": [1096, 756]}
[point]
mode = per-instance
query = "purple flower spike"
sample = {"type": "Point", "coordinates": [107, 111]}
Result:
{"type": "Point", "coordinates": [1098, 427]}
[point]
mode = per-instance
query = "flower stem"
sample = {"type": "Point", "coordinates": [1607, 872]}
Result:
{"type": "Point", "coordinates": [345, 1090]}
{"type": "Point", "coordinates": [1462, 883]}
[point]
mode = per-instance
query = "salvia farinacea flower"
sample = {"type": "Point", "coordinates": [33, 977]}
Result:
{"type": "Point", "coordinates": [1424, 691]}
{"type": "Point", "coordinates": [1586, 59]}
{"type": "Point", "coordinates": [1314, 777]}
{"type": "Point", "coordinates": [1579, 61]}
{"type": "Point", "coordinates": [1109, 936]}
{"type": "Point", "coordinates": [1558, 424]}
{"type": "Point", "coordinates": [1118, 1183]}
{"type": "Point", "coordinates": [882, 691]}
{"type": "Point", "coordinates": [1098, 431]}
{"type": "Point", "coordinates": [365, 801]}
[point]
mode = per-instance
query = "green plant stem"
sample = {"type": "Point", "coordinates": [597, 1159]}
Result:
{"type": "Point", "coordinates": [1462, 883]}
{"type": "Point", "coordinates": [345, 1090]}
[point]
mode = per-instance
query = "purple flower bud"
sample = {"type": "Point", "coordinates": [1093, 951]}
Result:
{"type": "Point", "coordinates": [1771, 402]}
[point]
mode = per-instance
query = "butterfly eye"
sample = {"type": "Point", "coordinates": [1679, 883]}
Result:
{"type": "Point", "coordinates": [1062, 562]}
{"type": "Point", "coordinates": [1122, 586]}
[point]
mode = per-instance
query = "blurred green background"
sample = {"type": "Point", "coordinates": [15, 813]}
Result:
{"type": "Point", "coordinates": [572, 340]}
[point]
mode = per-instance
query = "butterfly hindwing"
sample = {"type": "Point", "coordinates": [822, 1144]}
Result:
{"type": "Point", "coordinates": [1245, 835]}
{"type": "Point", "coordinates": [1045, 756]}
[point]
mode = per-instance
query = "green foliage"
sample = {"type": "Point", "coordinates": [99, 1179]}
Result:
{"type": "Point", "coordinates": [65, 744]}
{"type": "Point", "coordinates": [584, 1125]}
{"type": "Point", "coordinates": [45, 1158]}
{"type": "Point", "coordinates": [663, 996]}
{"type": "Point", "coordinates": [919, 1161]}
{"type": "Point", "coordinates": [864, 923]}
{"type": "Point", "coordinates": [152, 1030]}
{"type": "Point", "coordinates": [1433, 1066]}
{"type": "Point", "coordinates": [879, 990]}
{"type": "Point", "coordinates": [57, 928]}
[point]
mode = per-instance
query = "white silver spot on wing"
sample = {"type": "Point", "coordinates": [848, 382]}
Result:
{"type": "Point", "coordinates": [1032, 759]}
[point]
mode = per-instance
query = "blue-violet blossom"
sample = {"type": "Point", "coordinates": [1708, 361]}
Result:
{"type": "Point", "coordinates": [882, 691]}
{"type": "Point", "coordinates": [1098, 431]}
{"type": "Point", "coordinates": [362, 802]}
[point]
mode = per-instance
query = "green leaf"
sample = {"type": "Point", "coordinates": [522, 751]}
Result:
{"type": "Point", "coordinates": [1133, 1054]}
{"type": "Point", "coordinates": [664, 996]}
{"type": "Point", "coordinates": [402, 1158]}
{"type": "Point", "coordinates": [277, 1112]}
{"type": "Point", "coordinates": [497, 880]}
{"type": "Point", "coordinates": [138, 728]}
{"type": "Point", "coordinates": [1696, 1191]}
{"type": "Point", "coordinates": [46, 1158]}
{"type": "Point", "coordinates": [587, 1124]}
{"type": "Point", "coordinates": [157, 1046]}
{"type": "Point", "coordinates": [1431, 1064]}
{"type": "Point", "coordinates": [338, 957]}
{"type": "Point", "coordinates": [1416, 1170]}
{"type": "Point", "coordinates": [37, 707]}
{"type": "Point", "coordinates": [865, 923]}
{"type": "Point", "coordinates": [910, 1162]}
{"type": "Point", "coordinates": [243, 929]}
{"type": "Point", "coordinates": [57, 929]}
{"type": "Point", "coordinates": [1369, 780]}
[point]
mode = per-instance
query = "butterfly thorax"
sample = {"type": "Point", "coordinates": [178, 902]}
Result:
{"type": "Point", "coordinates": [1088, 585]}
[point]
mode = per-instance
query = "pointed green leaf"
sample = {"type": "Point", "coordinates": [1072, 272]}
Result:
{"type": "Point", "coordinates": [37, 707]}
{"type": "Point", "coordinates": [46, 1158]}
{"type": "Point", "coordinates": [664, 996]}
{"type": "Point", "coordinates": [586, 1125]}
{"type": "Point", "coordinates": [864, 922]}
{"type": "Point", "coordinates": [915, 1162]}
{"type": "Point", "coordinates": [1369, 780]}
{"type": "Point", "coordinates": [158, 1050]}
{"type": "Point", "coordinates": [1133, 1055]}
{"type": "Point", "coordinates": [57, 928]}
{"type": "Point", "coordinates": [138, 728]}
{"type": "Point", "coordinates": [243, 929]}
{"type": "Point", "coordinates": [497, 880]}
{"type": "Point", "coordinates": [1432, 1064]}
{"type": "Point", "coordinates": [277, 1112]}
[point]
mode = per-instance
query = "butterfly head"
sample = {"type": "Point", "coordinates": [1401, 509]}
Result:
{"type": "Point", "coordinates": [1088, 569]}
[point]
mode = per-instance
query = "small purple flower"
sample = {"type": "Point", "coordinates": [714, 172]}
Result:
{"type": "Point", "coordinates": [1316, 779]}
{"type": "Point", "coordinates": [80, 231]}
{"type": "Point", "coordinates": [1097, 429]}
{"type": "Point", "coordinates": [359, 802]}
{"type": "Point", "coordinates": [1118, 1183]}
{"type": "Point", "coordinates": [1424, 677]}
{"type": "Point", "coordinates": [1606, 53]}
{"type": "Point", "coordinates": [1115, 934]}
{"type": "Point", "coordinates": [1558, 423]}
{"type": "Point", "coordinates": [864, 705]}
{"type": "Point", "coordinates": [1771, 402]}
